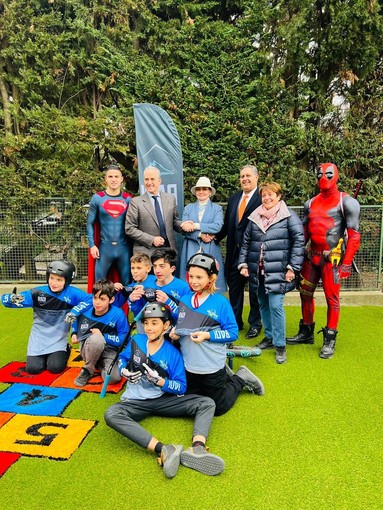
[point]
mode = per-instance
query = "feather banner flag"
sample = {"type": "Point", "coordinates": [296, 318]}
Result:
{"type": "Point", "coordinates": [158, 145]}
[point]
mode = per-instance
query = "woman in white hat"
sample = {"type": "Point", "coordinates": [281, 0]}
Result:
{"type": "Point", "coordinates": [207, 219]}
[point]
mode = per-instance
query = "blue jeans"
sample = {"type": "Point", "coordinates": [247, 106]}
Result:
{"type": "Point", "coordinates": [273, 315]}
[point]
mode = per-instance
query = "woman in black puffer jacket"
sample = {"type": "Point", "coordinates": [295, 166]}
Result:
{"type": "Point", "coordinates": [271, 256]}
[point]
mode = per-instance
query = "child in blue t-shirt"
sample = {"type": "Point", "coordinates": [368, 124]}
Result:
{"type": "Point", "coordinates": [101, 330]}
{"type": "Point", "coordinates": [140, 266]}
{"type": "Point", "coordinates": [166, 289]}
{"type": "Point", "coordinates": [156, 386]}
{"type": "Point", "coordinates": [48, 347]}
{"type": "Point", "coordinates": [206, 323]}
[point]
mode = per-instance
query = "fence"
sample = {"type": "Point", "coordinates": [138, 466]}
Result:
{"type": "Point", "coordinates": [55, 228]}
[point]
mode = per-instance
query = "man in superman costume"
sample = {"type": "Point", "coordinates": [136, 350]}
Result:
{"type": "Point", "coordinates": [109, 248]}
{"type": "Point", "coordinates": [330, 218]}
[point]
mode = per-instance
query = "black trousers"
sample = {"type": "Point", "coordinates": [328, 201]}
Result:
{"type": "Point", "coordinates": [237, 283]}
{"type": "Point", "coordinates": [55, 362]}
{"type": "Point", "coordinates": [219, 386]}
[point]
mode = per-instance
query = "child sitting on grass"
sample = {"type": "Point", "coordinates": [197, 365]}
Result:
{"type": "Point", "coordinates": [156, 385]}
{"type": "Point", "coordinates": [100, 329]}
{"type": "Point", "coordinates": [48, 347]}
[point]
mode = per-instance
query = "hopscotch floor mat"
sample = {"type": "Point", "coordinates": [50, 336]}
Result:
{"type": "Point", "coordinates": [31, 408]}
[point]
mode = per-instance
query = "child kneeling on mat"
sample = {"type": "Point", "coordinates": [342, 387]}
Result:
{"type": "Point", "coordinates": [48, 347]}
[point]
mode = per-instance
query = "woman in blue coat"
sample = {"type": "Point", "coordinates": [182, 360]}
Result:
{"type": "Point", "coordinates": [207, 219]}
{"type": "Point", "coordinates": [271, 256]}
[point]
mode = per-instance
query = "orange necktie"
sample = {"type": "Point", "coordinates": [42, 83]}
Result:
{"type": "Point", "coordinates": [242, 207]}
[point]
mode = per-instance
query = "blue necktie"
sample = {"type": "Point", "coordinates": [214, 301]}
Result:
{"type": "Point", "coordinates": [160, 218]}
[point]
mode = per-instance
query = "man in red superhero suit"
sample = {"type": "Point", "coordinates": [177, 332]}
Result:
{"type": "Point", "coordinates": [329, 217]}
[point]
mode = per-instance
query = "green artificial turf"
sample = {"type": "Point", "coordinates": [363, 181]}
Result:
{"type": "Point", "coordinates": [314, 441]}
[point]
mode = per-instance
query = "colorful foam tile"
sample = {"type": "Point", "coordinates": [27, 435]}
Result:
{"type": "Point", "coordinates": [36, 400]}
{"type": "Point", "coordinates": [44, 436]}
{"type": "Point", "coordinates": [4, 417]}
{"type": "Point", "coordinates": [6, 461]}
{"type": "Point", "coordinates": [75, 358]}
{"type": "Point", "coordinates": [66, 380]}
{"type": "Point", "coordinates": [14, 372]}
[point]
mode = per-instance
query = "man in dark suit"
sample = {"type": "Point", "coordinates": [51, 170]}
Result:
{"type": "Point", "coordinates": [239, 207]}
{"type": "Point", "coordinates": [152, 217]}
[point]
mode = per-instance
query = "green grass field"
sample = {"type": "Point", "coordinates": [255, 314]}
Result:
{"type": "Point", "coordinates": [314, 441]}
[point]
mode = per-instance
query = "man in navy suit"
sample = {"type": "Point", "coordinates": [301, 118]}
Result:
{"type": "Point", "coordinates": [239, 207]}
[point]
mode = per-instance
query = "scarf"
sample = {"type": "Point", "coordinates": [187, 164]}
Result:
{"type": "Point", "coordinates": [268, 215]}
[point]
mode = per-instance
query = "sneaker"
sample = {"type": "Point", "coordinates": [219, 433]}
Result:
{"type": "Point", "coordinates": [198, 458]}
{"type": "Point", "coordinates": [83, 378]}
{"type": "Point", "coordinates": [280, 355]}
{"type": "Point", "coordinates": [251, 381]}
{"type": "Point", "coordinates": [266, 343]}
{"type": "Point", "coordinates": [170, 459]}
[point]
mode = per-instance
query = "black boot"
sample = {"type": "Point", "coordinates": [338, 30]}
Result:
{"type": "Point", "coordinates": [329, 340]}
{"type": "Point", "coordinates": [305, 334]}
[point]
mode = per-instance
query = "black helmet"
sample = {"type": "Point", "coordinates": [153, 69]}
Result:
{"type": "Point", "coordinates": [62, 268]}
{"type": "Point", "coordinates": [158, 311]}
{"type": "Point", "coordinates": [205, 261]}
